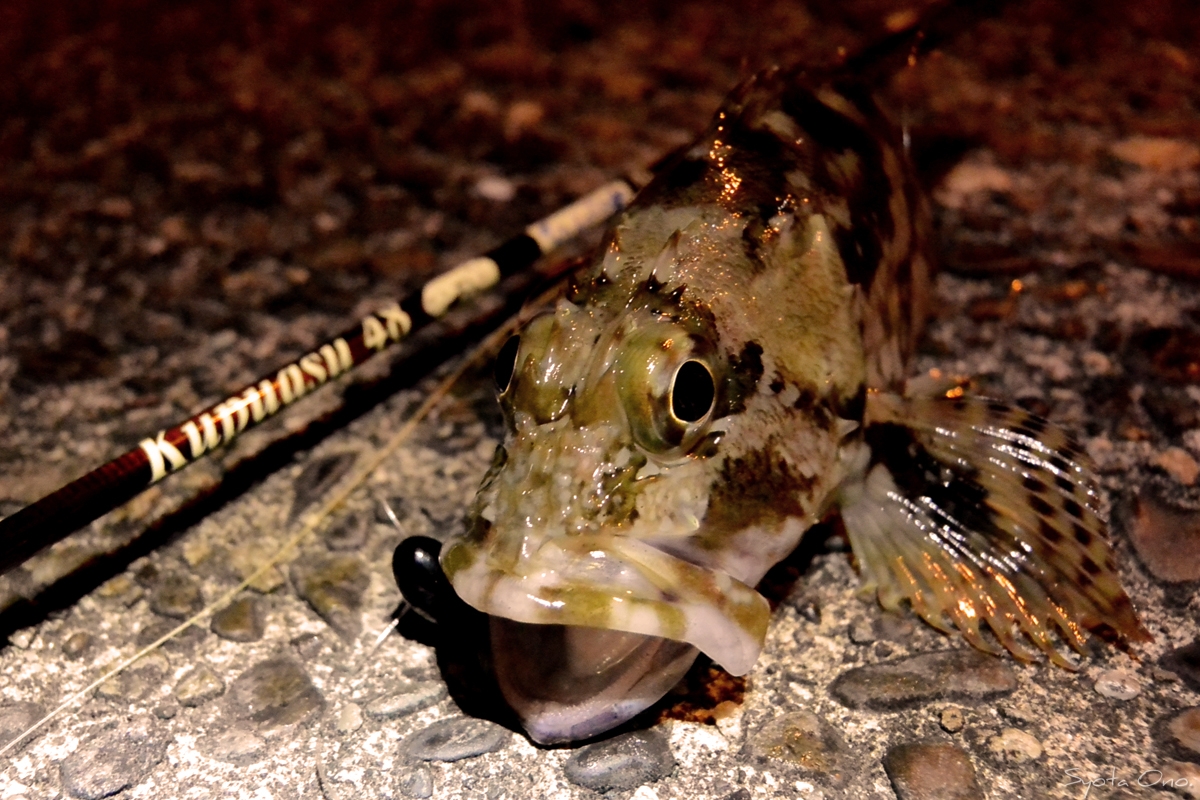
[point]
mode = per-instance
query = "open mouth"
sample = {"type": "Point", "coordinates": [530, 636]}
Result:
{"type": "Point", "coordinates": [568, 683]}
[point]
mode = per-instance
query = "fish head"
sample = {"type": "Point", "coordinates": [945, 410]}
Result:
{"type": "Point", "coordinates": [641, 490]}
{"type": "Point", "coordinates": [609, 419]}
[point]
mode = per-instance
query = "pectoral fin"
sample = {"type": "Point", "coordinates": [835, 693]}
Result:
{"type": "Point", "coordinates": [979, 512]}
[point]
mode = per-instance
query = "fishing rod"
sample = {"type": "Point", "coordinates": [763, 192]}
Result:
{"type": "Point", "coordinates": [51, 519]}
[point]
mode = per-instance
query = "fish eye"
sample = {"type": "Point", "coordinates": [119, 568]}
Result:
{"type": "Point", "coordinates": [668, 384]}
{"type": "Point", "coordinates": [692, 392]}
{"type": "Point", "coordinates": [506, 362]}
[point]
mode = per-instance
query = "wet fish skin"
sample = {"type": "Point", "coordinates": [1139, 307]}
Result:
{"type": "Point", "coordinates": [714, 385]}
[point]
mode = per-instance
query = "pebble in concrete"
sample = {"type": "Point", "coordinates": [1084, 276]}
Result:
{"type": "Point", "coordinates": [809, 609]}
{"type": "Point", "coordinates": [185, 641]}
{"type": "Point", "coordinates": [1163, 675]}
{"type": "Point", "coordinates": [349, 535]}
{"type": "Point", "coordinates": [895, 627]}
{"type": "Point", "coordinates": [176, 596]}
{"type": "Point", "coordinates": [15, 718]}
{"type": "Point", "coordinates": [137, 682]}
{"type": "Point", "coordinates": [862, 632]}
{"type": "Point", "coordinates": [410, 699]}
{"type": "Point", "coordinates": [240, 621]}
{"type": "Point", "coordinates": [238, 745]}
{"type": "Point", "coordinates": [273, 693]}
{"type": "Point", "coordinates": [308, 645]}
{"type": "Point", "coordinates": [246, 559]}
{"type": "Point", "coordinates": [416, 781]}
{"type": "Point", "coordinates": [198, 686]}
{"type": "Point", "coordinates": [350, 718]}
{"type": "Point", "coordinates": [121, 589]}
{"type": "Point", "coordinates": [115, 760]}
{"type": "Point", "coordinates": [1119, 684]}
{"type": "Point", "coordinates": [318, 475]}
{"type": "Point", "coordinates": [334, 587]}
{"type": "Point", "coordinates": [1023, 714]}
{"type": "Point", "coordinates": [960, 675]}
{"type": "Point", "coordinates": [1165, 538]}
{"type": "Point", "coordinates": [931, 771]}
{"type": "Point", "coordinates": [1184, 662]}
{"type": "Point", "coordinates": [951, 719]}
{"type": "Point", "coordinates": [166, 709]}
{"type": "Point", "coordinates": [23, 638]}
{"type": "Point", "coordinates": [455, 739]}
{"type": "Point", "coordinates": [76, 644]}
{"type": "Point", "coordinates": [1182, 734]}
{"type": "Point", "coordinates": [802, 739]}
{"type": "Point", "coordinates": [1015, 746]}
{"type": "Point", "coordinates": [621, 763]}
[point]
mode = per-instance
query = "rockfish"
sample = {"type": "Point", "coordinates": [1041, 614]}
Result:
{"type": "Point", "coordinates": [729, 372]}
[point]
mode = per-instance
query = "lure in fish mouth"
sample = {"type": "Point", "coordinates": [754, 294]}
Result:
{"type": "Point", "coordinates": [727, 374]}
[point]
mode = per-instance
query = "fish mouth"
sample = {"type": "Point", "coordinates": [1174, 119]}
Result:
{"type": "Point", "coordinates": [569, 683]}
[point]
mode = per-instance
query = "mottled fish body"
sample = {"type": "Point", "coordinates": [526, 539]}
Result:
{"type": "Point", "coordinates": [728, 373]}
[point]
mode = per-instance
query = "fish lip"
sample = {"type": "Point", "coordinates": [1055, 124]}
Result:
{"type": "Point", "coordinates": [618, 584]}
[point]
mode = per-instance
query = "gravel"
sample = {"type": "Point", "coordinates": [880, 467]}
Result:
{"type": "Point", "coordinates": [958, 675]}
{"type": "Point", "coordinates": [621, 763]}
{"type": "Point", "coordinates": [455, 739]}
{"type": "Point", "coordinates": [410, 699]}
{"type": "Point", "coordinates": [114, 760]}
{"type": "Point", "coordinates": [931, 771]}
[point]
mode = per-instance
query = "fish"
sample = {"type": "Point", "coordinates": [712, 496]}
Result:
{"type": "Point", "coordinates": [730, 370]}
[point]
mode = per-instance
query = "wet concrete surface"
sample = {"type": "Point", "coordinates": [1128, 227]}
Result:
{"type": "Point", "coordinates": [171, 232]}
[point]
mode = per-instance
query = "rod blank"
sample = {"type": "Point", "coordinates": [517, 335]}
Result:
{"type": "Point", "coordinates": [52, 518]}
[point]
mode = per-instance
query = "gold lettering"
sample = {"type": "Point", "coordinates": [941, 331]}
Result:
{"type": "Point", "coordinates": [159, 451]}
{"type": "Point", "coordinates": [469, 277]}
{"type": "Point", "coordinates": [270, 400]}
{"type": "Point", "coordinates": [332, 362]}
{"type": "Point", "coordinates": [224, 414]}
{"type": "Point", "coordinates": [252, 397]}
{"type": "Point", "coordinates": [241, 407]}
{"type": "Point", "coordinates": [398, 322]}
{"type": "Point", "coordinates": [343, 351]}
{"type": "Point", "coordinates": [291, 384]}
{"type": "Point", "coordinates": [200, 444]}
{"type": "Point", "coordinates": [373, 334]}
{"type": "Point", "coordinates": [311, 364]}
